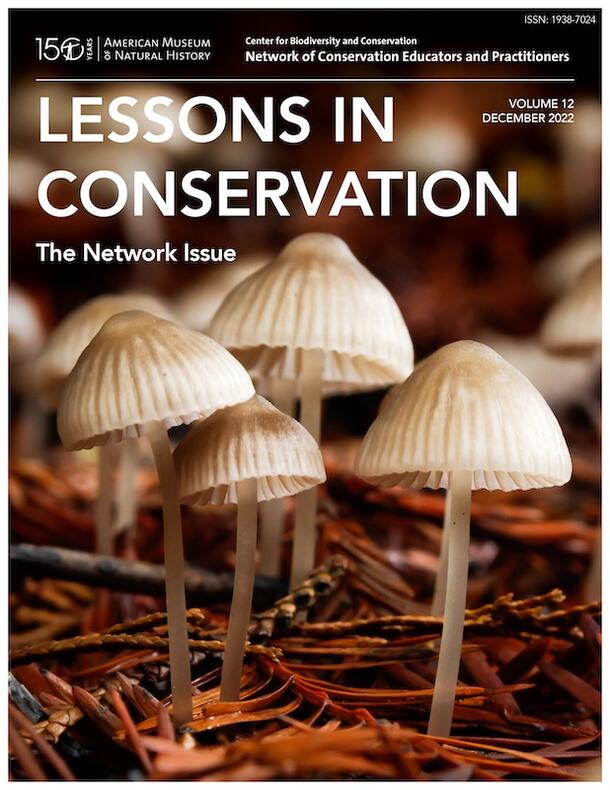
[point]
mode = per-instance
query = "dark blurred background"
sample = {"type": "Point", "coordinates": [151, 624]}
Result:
{"type": "Point", "coordinates": [453, 278]}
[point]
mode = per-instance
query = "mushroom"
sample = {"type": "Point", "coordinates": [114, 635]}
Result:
{"type": "Point", "coordinates": [574, 323]}
{"type": "Point", "coordinates": [51, 369]}
{"type": "Point", "coordinates": [464, 420]}
{"type": "Point", "coordinates": [245, 454]}
{"type": "Point", "coordinates": [317, 317]}
{"type": "Point", "coordinates": [141, 375]}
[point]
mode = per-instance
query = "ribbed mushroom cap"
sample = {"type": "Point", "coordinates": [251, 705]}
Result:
{"type": "Point", "coordinates": [574, 324]}
{"type": "Point", "coordinates": [71, 336]}
{"type": "Point", "coordinates": [317, 295]}
{"type": "Point", "coordinates": [465, 408]}
{"type": "Point", "coordinates": [250, 440]}
{"type": "Point", "coordinates": [140, 368]}
{"type": "Point", "coordinates": [388, 398]}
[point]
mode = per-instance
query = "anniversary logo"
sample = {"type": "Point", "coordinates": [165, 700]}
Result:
{"type": "Point", "coordinates": [305, 412]}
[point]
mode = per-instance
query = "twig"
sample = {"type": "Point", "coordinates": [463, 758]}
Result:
{"type": "Point", "coordinates": [504, 616]}
{"type": "Point", "coordinates": [94, 642]}
{"type": "Point", "coordinates": [201, 585]}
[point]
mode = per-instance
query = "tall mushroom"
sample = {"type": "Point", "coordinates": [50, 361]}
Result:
{"type": "Point", "coordinates": [245, 454]}
{"type": "Point", "coordinates": [51, 369]}
{"type": "Point", "coordinates": [141, 375]}
{"type": "Point", "coordinates": [464, 420]}
{"type": "Point", "coordinates": [317, 317]}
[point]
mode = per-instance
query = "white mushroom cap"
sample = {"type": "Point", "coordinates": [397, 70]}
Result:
{"type": "Point", "coordinates": [196, 304]}
{"type": "Point", "coordinates": [317, 295]}
{"type": "Point", "coordinates": [140, 368]}
{"type": "Point", "coordinates": [465, 408]}
{"type": "Point", "coordinates": [574, 323]}
{"type": "Point", "coordinates": [252, 440]}
{"type": "Point", "coordinates": [389, 398]}
{"type": "Point", "coordinates": [71, 336]}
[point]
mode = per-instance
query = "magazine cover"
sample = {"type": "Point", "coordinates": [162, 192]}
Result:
{"type": "Point", "coordinates": [304, 323]}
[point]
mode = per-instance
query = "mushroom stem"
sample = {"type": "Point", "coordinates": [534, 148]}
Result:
{"type": "Point", "coordinates": [272, 511]}
{"type": "Point", "coordinates": [304, 545]}
{"type": "Point", "coordinates": [179, 656]}
{"type": "Point", "coordinates": [243, 587]}
{"type": "Point", "coordinates": [443, 699]}
{"type": "Point", "coordinates": [126, 497]}
{"type": "Point", "coordinates": [103, 507]}
{"type": "Point", "coordinates": [440, 586]}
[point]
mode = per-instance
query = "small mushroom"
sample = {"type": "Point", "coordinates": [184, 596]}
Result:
{"type": "Point", "coordinates": [574, 323]}
{"type": "Point", "coordinates": [245, 454]}
{"type": "Point", "coordinates": [464, 420]}
{"type": "Point", "coordinates": [51, 369]}
{"type": "Point", "coordinates": [141, 375]}
{"type": "Point", "coordinates": [317, 317]}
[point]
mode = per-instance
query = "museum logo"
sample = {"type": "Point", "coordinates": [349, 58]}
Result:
{"type": "Point", "coordinates": [68, 49]}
